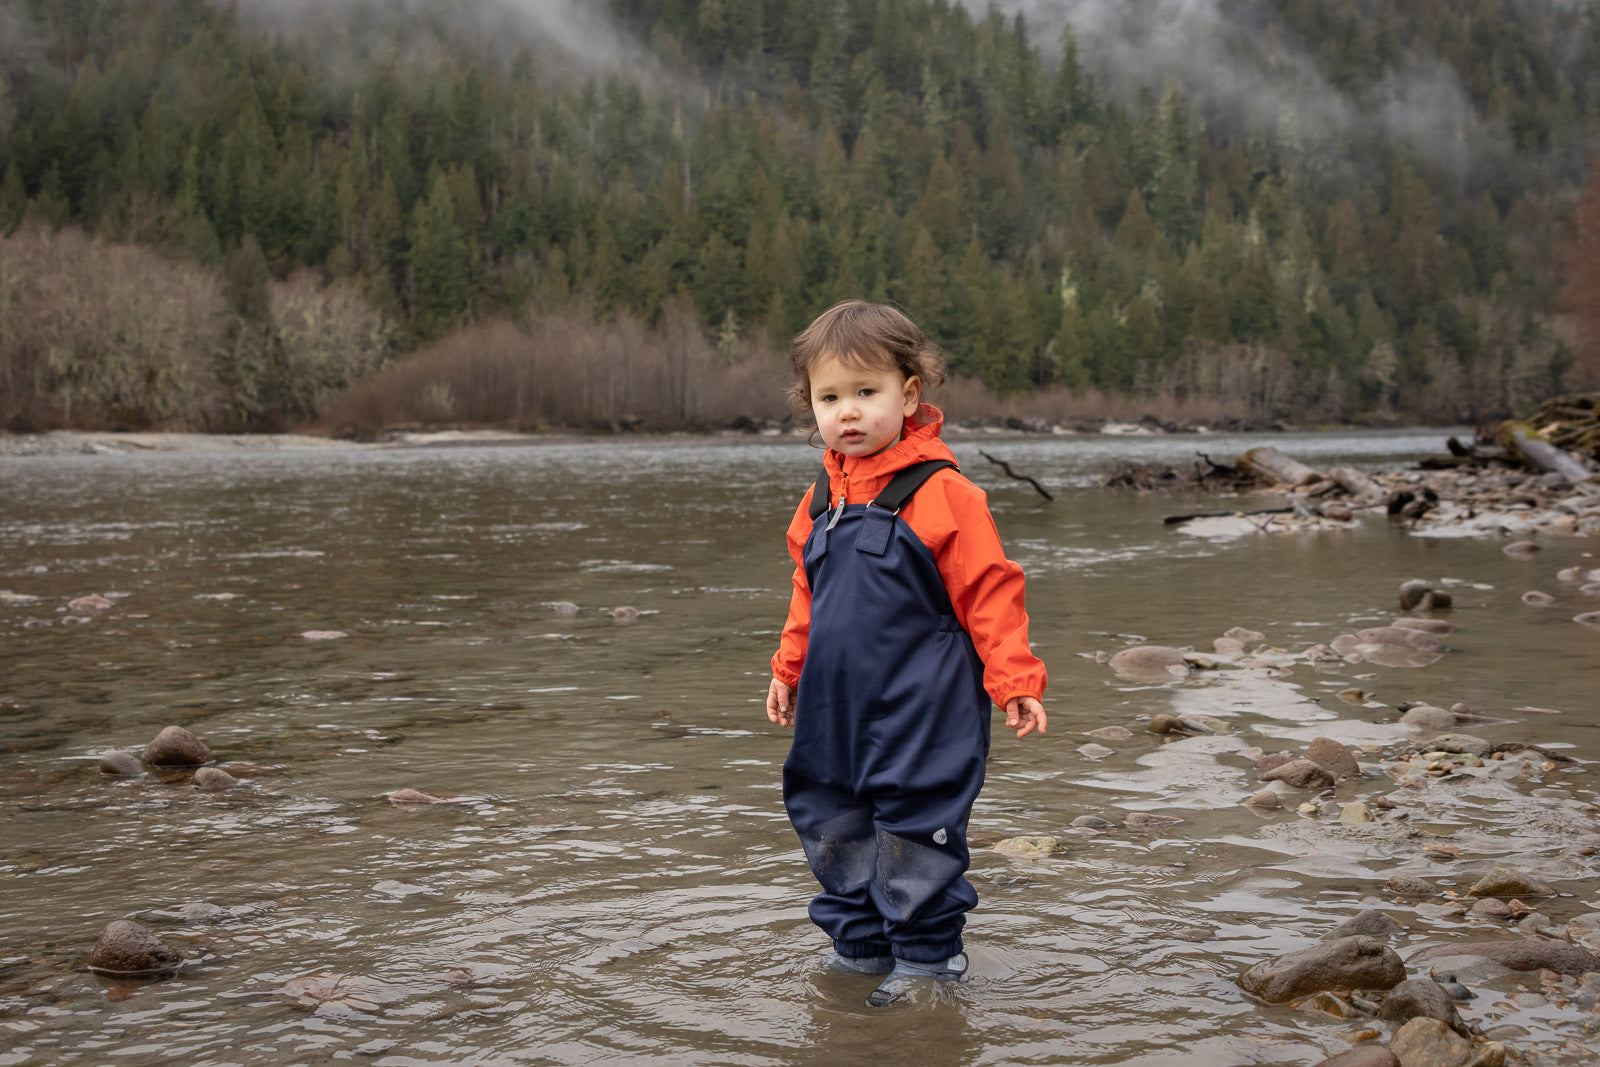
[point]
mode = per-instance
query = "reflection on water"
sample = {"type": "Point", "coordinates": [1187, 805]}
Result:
{"type": "Point", "coordinates": [616, 876]}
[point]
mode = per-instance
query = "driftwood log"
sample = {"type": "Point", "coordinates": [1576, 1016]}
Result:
{"type": "Point", "coordinates": [1356, 483]}
{"type": "Point", "coordinates": [1542, 454]}
{"type": "Point", "coordinates": [1274, 465]}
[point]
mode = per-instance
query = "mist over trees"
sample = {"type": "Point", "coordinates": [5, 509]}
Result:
{"type": "Point", "coordinates": [283, 198]}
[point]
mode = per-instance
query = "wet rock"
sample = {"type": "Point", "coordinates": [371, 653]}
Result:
{"type": "Point", "coordinates": [1464, 743]}
{"type": "Point", "coordinates": [1491, 908]}
{"type": "Point", "coordinates": [1505, 882]}
{"type": "Point", "coordinates": [323, 635]}
{"type": "Point", "coordinates": [403, 797]}
{"type": "Point", "coordinates": [1425, 1042]}
{"type": "Point", "coordinates": [213, 780]}
{"type": "Point", "coordinates": [1338, 512]}
{"type": "Point", "coordinates": [1266, 800]}
{"type": "Point", "coordinates": [1149, 663]}
{"type": "Point", "coordinates": [1356, 813]}
{"type": "Point", "coordinates": [1365, 1056]}
{"type": "Point", "coordinates": [1166, 724]}
{"type": "Point", "coordinates": [1111, 733]}
{"type": "Point", "coordinates": [1590, 619]}
{"type": "Point", "coordinates": [1231, 647]}
{"type": "Point", "coordinates": [1412, 592]}
{"type": "Point", "coordinates": [1369, 923]}
{"type": "Point", "coordinates": [1409, 885]}
{"type": "Point", "coordinates": [92, 602]}
{"type": "Point", "coordinates": [1271, 761]}
{"type": "Point", "coordinates": [1300, 773]}
{"type": "Point", "coordinates": [563, 607]}
{"type": "Point", "coordinates": [1027, 847]}
{"type": "Point", "coordinates": [1534, 598]}
{"type": "Point", "coordinates": [1348, 963]}
{"type": "Point", "coordinates": [1141, 821]}
{"type": "Point", "coordinates": [121, 764]}
{"type": "Point", "coordinates": [1352, 695]}
{"type": "Point", "coordinates": [1246, 638]}
{"type": "Point", "coordinates": [1422, 998]}
{"type": "Point", "coordinates": [1333, 757]}
{"type": "Point", "coordinates": [176, 747]}
{"type": "Point", "coordinates": [1428, 717]}
{"type": "Point", "coordinates": [1092, 822]}
{"type": "Point", "coordinates": [1427, 626]}
{"type": "Point", "coordinates": [1204, 724]}
{"type": "Point", "coordinates": [1093, 751]}
{"type": "Point", "coordinates": [625, 615]}
{"type": "Point", "coordinates": [1390, 646]}
{"type": "Point", "coordinates": [1522, 549]}
{"type": "Point", "coordinates": [126, 948]}
{"type": "Point", "coordinates": [1521, 954]}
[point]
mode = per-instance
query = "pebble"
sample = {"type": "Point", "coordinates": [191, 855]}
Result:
{"type": "Point", "coordinates": [1265, 799]}
{"type": "Point", "coordinates": [1491, 908]}
{"type": "Point", "coordinates": [1355, 814]}
{"type": "Point", "coordinates": [625, 615]}
{"type": "Point", "coordinates": [1300, 773]}
{"type": "Point", "coordinates": [1111, 733]}
{"type": "Point", "coordinates": [1028, 847]}
{"type": "Point", "coordinates": [123, 764]}
{"type": "Point", "coordinates": [1522, 550]}
{"type": "Point", "coordinates": [1139, 821]}
{"type": "Point", "coordinates": [1149, 663]}
{"type": "Point", "coordinates": [1537, 599]}
{"type": "Point", "coordinates": [1092, 822]}
{"type": "Point", "coordinates": [126, 948]}
{"type": "Point", "coordinates": [1333, 757]}
{"type": "Point", "coordinates": [1165, 724]}
{"type": "Point", "coordinates": [1588, 618]}
{"type": "Point", "coordinates": [1093, 751]}
{"type": "Point", "coordinates": [213, 780]}
{"type": "Point", "coordinates": [1504, 882]}
{"type": "Point", "coordinates": [1428, 717]}
{"type": "Point", "coordinates": [323, 635]}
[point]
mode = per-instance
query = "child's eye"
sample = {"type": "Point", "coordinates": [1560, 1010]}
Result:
{"type": "Point", "coordinates": [868, 392]}
{"type": "Point", "coordinates": [825, 398]}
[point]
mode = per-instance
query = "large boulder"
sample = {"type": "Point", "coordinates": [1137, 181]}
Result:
{"type": "Point", "coordinates": [1521, 954]}
{"type": "Point", "coordinates": [1422, 998]}
{"type": "Point", "coordinates": [176, 747]}
{"type": "Point", "coordinates": [1346, 964]}
{"type": "Point", "coordinates": [126, 948]}
{"type": "Point", "coordinates": [1364, 1056]}
{"type": "Point", "coordinates": [1424, 1042]}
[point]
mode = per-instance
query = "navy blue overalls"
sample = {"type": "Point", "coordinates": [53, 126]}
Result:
{"type": "Point", "coordinates": [891, 734]}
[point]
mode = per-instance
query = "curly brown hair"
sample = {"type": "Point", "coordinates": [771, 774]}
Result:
{"type": "Point", "coordinates": [863, 334]}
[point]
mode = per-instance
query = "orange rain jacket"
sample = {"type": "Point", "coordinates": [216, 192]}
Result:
{"type": "Point", "coordinates": [951, 516]}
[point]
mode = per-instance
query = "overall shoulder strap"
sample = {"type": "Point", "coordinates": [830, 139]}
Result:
{"type": "Point", "coordinates": [819, 495]}
{"type": "Point", "coordinates": [904, 485]}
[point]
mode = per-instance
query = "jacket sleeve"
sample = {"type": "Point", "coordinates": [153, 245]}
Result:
{"type": "Point", "coordinates": [791, 654]}
{"type": "Point", "coordinates": [986, 589]}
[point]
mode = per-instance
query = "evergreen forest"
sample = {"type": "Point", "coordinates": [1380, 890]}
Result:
{"type": "Point", "coordinates": [258, 214]}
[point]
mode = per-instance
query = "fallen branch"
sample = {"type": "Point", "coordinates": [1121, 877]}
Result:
{"type": "Point", "coordinates": [1013, 474]}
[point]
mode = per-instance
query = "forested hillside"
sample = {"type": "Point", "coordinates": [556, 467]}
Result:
{"type": "Point", "coordinates": [1348, 209]}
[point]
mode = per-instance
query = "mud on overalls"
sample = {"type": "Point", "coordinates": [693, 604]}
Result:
{"type": "Point", "coordinates": [891, 733]}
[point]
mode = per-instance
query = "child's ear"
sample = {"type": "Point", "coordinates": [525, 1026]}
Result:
{"type": "Point", "coordinates": [913, 395]}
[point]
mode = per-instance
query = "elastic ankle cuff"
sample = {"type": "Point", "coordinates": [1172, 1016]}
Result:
{"type": "Point", "coordinates": [933, 953]}
{"type": "Point", "coordinates": [858, 950]}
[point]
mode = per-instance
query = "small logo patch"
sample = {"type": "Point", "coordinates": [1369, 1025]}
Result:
{"type": "Point", "coordinates": [940, 837]}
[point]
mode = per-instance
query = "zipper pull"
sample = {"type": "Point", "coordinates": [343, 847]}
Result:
{"type": "Point", "coordinates": [836, 513]}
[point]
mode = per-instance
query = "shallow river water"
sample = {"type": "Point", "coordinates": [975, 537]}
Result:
{"type": "Point", "coordinates": [617, 878]}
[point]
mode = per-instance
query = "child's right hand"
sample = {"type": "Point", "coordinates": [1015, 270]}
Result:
{"type": "Point", "coordinates": [780, 703]}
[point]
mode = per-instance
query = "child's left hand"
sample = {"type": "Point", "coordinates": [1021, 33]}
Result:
{"type": "Point", "coordinates": [1024, 714]}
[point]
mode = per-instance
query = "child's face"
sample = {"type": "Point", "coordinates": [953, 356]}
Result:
{"type": "Point", "coordinates": [860, 410]}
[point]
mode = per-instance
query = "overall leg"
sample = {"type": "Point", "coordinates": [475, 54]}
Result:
{"type": "Point", "coordinates": [918, 884]}
{"type": "Point", "coordinates": [841, 845]}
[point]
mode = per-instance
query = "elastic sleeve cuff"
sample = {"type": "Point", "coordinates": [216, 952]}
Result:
{"type": "Point", "coordinates": [788, 679]}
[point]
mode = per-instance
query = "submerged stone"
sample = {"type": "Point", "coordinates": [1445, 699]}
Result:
{"type": "Point", "coordinates": [1345, 964]}
{"type": "Point", "coordinates": [176, 747]}
{"type": "Point", "coordinates": [1149, 663]}
{"type": "Point", "coordinates": [1027, 847]}
{"type": "Point", "coordinates": [128, 949]}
